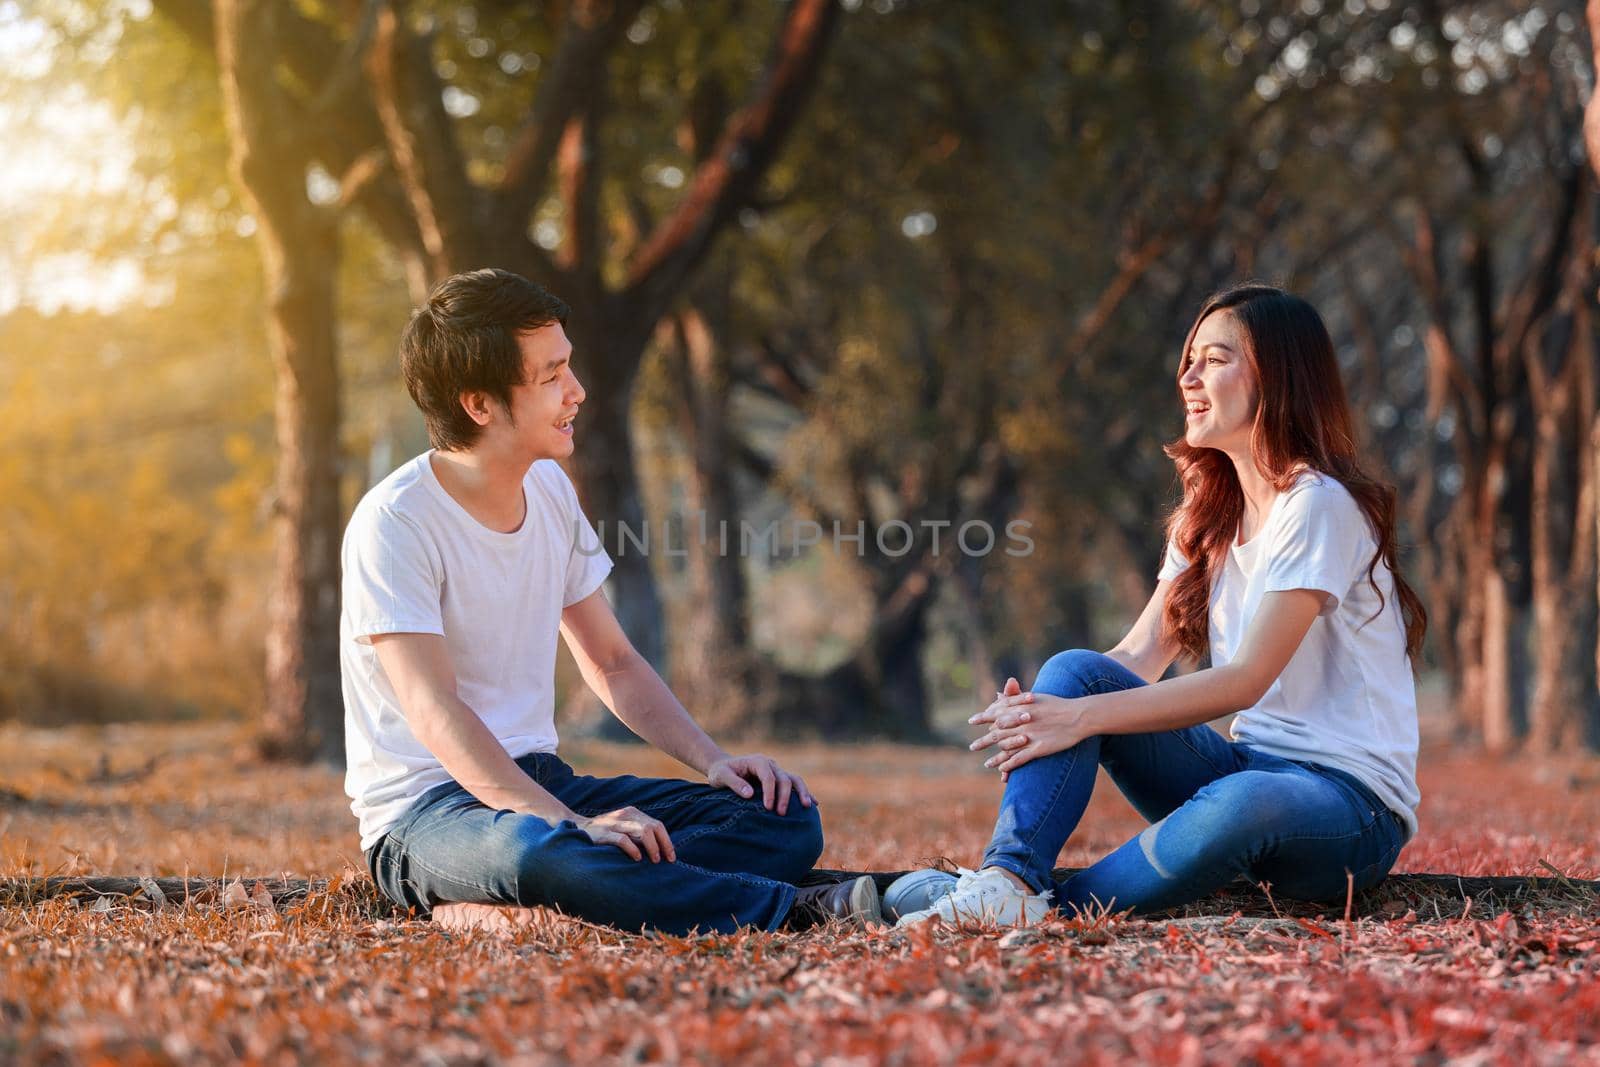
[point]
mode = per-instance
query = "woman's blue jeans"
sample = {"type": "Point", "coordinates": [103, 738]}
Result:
{"type": "Point", "coordinates": [1217, 810]}
{"type": "Point", "coordinates": [737, 862]}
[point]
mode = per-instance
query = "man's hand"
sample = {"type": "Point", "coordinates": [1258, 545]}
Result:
{"type": "Point", "coordinates": [777, 785]}
{"type": "Point", "coordinates": [632, 831]}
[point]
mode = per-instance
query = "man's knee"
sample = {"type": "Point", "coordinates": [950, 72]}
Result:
{"type": "Point", "coordinates": [800, 836]}
{"type": "Point", "coordinates": [1071, 673]}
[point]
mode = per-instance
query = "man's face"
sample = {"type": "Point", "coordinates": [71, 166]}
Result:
{"type": "Point", "coordinates": [544, 406]}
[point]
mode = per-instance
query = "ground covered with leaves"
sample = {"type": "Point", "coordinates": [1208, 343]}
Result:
{"type": "Point", "coordinates": [330, 974]}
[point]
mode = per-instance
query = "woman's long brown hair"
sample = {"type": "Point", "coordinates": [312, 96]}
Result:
{"type": "Point", "coordinates": [1302, 420]}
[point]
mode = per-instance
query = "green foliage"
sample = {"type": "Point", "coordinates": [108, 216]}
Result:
{"type": "Point", "coordinates": [986, 236]}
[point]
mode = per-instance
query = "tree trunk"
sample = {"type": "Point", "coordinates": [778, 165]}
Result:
{"type": "Point", "coordinates": [1558, 508]}
{"type": "Point", "coordinates": [1469, 634]}
{"type": "Point", "coordinates": [605, 474]}
{"type": "Point", "coordinates": [1594, 501]}
{"type": "Point", "coordinates": [1493, 608]}
{"type": "Point", "coordinates": [299, 250]}
{"type": "Point", "coordinates": [1554, 701]}
{"type": "Point", "coordinates": [305, 711]}
{"type": "Point", "coordinates": [1499, 735]}
{"type": "Point", "coordinates": [715, 663]}
{"type": "Point", "coordinates": [879, 693]}
{"type": "Point", "coordinates": [969, 588]}
{"type": "Point", "coordinates": [1591, 140]}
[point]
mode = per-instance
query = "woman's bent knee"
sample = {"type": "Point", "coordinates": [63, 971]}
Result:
{"type": "Point", "coordinates": [1071, 673]}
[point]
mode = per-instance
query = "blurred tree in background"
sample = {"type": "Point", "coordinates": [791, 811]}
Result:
{"type": "Point", "coordinates": [839, 264]}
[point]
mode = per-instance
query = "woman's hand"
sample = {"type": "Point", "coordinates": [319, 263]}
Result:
{"type": "Point", "coordinates": [1006, 702]}
{"type": "Point", "coordinates": [1025, 726]}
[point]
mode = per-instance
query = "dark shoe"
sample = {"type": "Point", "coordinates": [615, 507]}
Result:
{"type": "Point", "coordinates": [854, 902]}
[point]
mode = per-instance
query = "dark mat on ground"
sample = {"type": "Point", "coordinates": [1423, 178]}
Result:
{"type": "Point", "coordinates": [1429, 896]}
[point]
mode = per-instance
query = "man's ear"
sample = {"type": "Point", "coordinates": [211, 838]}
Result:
{"type": "Point", "coordinates": [479, 406]}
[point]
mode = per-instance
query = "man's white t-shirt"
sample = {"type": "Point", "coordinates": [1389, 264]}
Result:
{"type": "Point", "coordinates": [415, 561]}
{"type": "Point", "coordinates": [1347, 698]}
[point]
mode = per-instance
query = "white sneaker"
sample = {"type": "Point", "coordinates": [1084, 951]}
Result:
{"type": "Point", "coordinates": [988, 897]}
{"type": "Point", "coordinates": [916, 891]}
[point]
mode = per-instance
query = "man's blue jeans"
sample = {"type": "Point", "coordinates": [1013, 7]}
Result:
{"type": "Point", "coordinates": [1217, 810]}
{"type": "Point", "coordinates": [737, 862]}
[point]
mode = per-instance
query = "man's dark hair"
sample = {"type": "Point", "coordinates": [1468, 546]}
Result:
{"type": "Point", "coordinates": [464, 338]}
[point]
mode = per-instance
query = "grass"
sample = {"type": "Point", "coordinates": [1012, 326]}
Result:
{"type": "Point", "coordinates": [329, 975]}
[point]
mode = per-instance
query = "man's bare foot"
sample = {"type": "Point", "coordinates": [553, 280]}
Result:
{"type": "Point", "coordinates": [491, 918]}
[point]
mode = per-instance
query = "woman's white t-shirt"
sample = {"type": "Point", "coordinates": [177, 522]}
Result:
{"type": "Point", "coordinates": [1347, 698]}
{"type": "Point", "coordinates": [415, 561]}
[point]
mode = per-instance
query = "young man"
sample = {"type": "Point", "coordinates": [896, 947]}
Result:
{"type": "Point", "coordinates": [459, 570]}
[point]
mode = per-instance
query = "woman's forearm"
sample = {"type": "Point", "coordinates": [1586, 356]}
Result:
{"type": "Point", "coordinates": [1149, 667]}
{"type": "Point", "coordinates": [1171, 704]}
{"type": "Point", "coordinates": [1277, 630]}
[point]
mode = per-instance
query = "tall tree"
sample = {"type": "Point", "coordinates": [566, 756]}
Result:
{"type": "Point", "coordinates": [465, 223]}
{"type": "Point", "coordinates": [299, 251]}
{"type": "Point", "coordinates": [364, 99]}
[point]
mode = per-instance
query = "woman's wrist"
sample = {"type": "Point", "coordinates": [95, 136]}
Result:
{"type": "Point", "coordinates": [1088, 715]}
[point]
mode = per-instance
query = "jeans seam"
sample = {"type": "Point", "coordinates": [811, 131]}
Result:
{"type": "Point", "coordinates": [715, 795]}
{"type": "Point", "coordinates": [693, 833]}
{"type": "Point", "coordinates": [1055, 797]}
{"type": "Point", "coordinates": [666, 805]}
{"type": "Point", "coordinates": [1347, 835]}
{"type": "Point", "coordinates": [648, 809]}
{"type": "Point", "coordinates": [697, 832]}
{"type": "Point", "coordinates": [1222, 771]}
{"type": "Point", "coordinates": [1355, 875]}
{"type": "Point", "coordinates": [718, 797]}
{"type": "Point", "coordinates": [753, 880]}
{"type": "Point", "coordinates": [444, 877]}
{"type": "Point", "coordinates": [1390, 857]}
{"type": "Point", "coordinates": [389, 872]}
{"type": "Point", "coordinates": [1061, 781]}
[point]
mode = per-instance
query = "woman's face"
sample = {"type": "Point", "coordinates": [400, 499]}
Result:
{"type": "Point", "coordinates": [1218, 386]}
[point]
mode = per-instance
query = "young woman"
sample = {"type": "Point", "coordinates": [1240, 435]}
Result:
{"type": "Point", "coordinates": [1281, 563]}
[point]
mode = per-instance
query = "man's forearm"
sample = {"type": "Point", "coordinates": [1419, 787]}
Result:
{"type": "Point", "coordinates": [641, 700]}
{"type": "Point", "coordinates": [471, 755]}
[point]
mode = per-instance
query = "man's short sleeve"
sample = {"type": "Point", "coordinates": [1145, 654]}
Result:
{"type": "Point", "coordinates": [1172, 563]}
{"type": "Point", "coordinates": [588, 564]}
{"type": "Point", "coordinates": [1320, 541]}
{"type": "Point", "coordinates": [391, 581]}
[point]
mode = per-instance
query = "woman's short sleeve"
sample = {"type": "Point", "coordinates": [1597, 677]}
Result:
{"type": "Point", "coordinates": [1172, 563]}
{"type": "Point", "coordinates": [1320, 541]}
